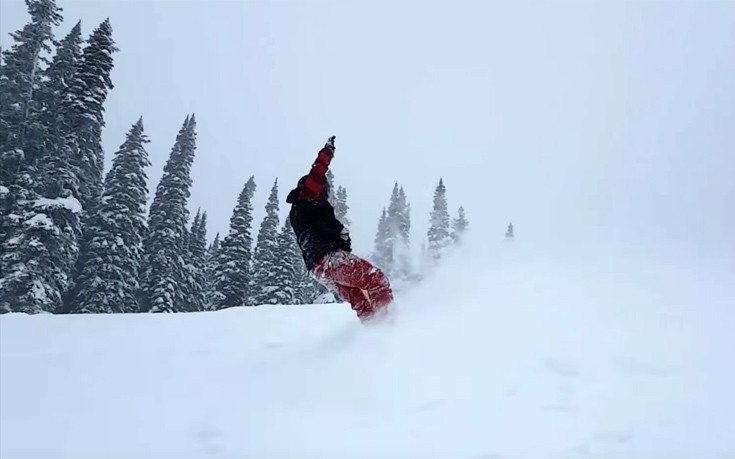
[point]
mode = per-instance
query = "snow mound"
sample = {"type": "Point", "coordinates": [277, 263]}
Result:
{"type": "Point", "coordinates": [524, 357]}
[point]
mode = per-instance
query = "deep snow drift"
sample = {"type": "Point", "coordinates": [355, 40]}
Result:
{"type": "Point", "coordinates": [500, 355]}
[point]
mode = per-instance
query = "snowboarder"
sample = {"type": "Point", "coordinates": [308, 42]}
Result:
{"type": "Point", "coordinates": [326, 246]}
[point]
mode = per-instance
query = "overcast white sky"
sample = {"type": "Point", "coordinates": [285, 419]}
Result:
{"type": "Point", "coordinates": [593, 119]}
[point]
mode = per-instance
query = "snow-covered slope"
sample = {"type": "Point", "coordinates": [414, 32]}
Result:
{"type": "Point", "coordinates": [498, 355]}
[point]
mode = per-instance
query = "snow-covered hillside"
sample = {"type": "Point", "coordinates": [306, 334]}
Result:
{"type": "Point", "coordinates": [502, 355]}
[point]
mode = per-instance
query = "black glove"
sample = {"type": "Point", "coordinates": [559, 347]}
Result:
{"type": "Point", "coordinates": [330, 142]}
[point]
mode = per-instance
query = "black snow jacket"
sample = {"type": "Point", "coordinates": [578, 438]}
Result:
{"type": "Point", "coordinates": [317, 230]}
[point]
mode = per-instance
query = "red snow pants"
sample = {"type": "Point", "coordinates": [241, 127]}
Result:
{"type": "Point", "coordinates": [357, 281]}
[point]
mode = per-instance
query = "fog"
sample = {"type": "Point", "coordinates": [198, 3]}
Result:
{"type": "Point", "coordinates": [581, 122]}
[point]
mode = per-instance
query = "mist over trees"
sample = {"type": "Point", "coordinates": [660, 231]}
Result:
{"type": "Point", "coordinates": [77, 239]}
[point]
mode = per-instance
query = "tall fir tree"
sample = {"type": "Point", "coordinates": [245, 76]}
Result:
{"type": "Point", "coordinates": [330, 186]}
{"type": "Point", "coordinates": [24, 176]}
{"type": "Point", "coordinates": [50, 119]}
{"type": "Point", "coordinates": [233, 273]}
{"type": "Point", "coordinates": [198, 236]}
{"type": "Point", "coordinates": [289, 271]}
{"type": "Point", "coordinates": [340, 206]}
{"type": "Point", "coordinates": [165, 244]}
{"type": "Point", "coordinates": [265, 257]}
{"type": "Point", "coordinates": [40, 138]}
{"type": "Point", "coordinates": [399, 222]}
{"type": "Point", "coordinates": [460, 225]}
{"type": "Point", "coordinates": [210, 271]}
{"type": "Point", "coordinates": [44, 229]}
{"type": "Point", "coordinates": [194, 282]}
{"type": "Point", "coordinates": [42, 237]}
{"type": "Point", "coordinates": [383, 252]}
{"type": "Point", "coordinates": [108, 281]}
{"type": "Point", "coordinates": [20, 76]}
{"type": "Point", "coordinates": [438, 234]}
{"type": "Point", "coordinates": [84, 105]}
{"type": "Point", "coordinates": [308, 289]}
{"type": "Point", "coordinates": [392, 240]}
{"type": "Point", "coordinates": [42, 233]}
{"type": "Point", "coordinates": [57, 79]}
{"type": "Point", "coordinates": [75, 138]}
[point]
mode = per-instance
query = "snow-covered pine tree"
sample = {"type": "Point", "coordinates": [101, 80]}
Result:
{"type": "Point", "coordinates": [76, 132]}
{"type": "Point", "coordinates": [165, 242]}
{"type": "Point", "coordinates": [509, 235]}
{"type": "Point", "coordinates": [330, 186]}
{"type": "Point", "coordinates": [20, 76]}
{"type": "Point", "coordinates": [302, 289]}
{"type": "Point", "coordinates": [214, 246]}
{"type": "Point", "coordinates": [392, 240]}
{"type": "Point", "coordinates": [305, 289]}
{"type": "Point", "coordinates": [194, 283]}
{"type": "Point", "coordinates": [39, 139]}
{"type": "Point", "coordinates": [88, 90]}
{"type": "Point", "coordinates": [289, 269]}
{"type": "Point", "coordinates": [42, 237]}
{"type": "Point", "coordinates": [49, 120]}
{"type": "Point", "coordinates": [460, 226]}
{"type": "Point", "coordinates": [341, 207]}
{"type": "Point", "coordinates": [198, 249]}
{"type": "Point", "coordinates": [439, 236]}
{"type": "Point", "coordinates": [234, 269]}
{"type": "Point", "coordinates": [265, 257]}
{"type": "Point", "coordinates": [210, 271]}
{"type": "Point", "coordinates": [42, 240]}
{"type": "Point", "coordinates": [42, 229]}
{"type": "Point", "coordinates": [198, 241]}
{"type": "Point", "coordinates": [399, 218]}
{"type": "Point", "coordinates": [383, 252]}
{"type": "Point", "coordinates": [308, 290]}
{"type": "Point", "coordinates": [108, 281]}
{"type": "Point", "coordinates": [54, 91]}
{"type": "Point", "coordinates": [38, 256]}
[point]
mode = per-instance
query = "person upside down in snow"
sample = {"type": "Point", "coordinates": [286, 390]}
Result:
{"type": "Point", "coordinates": [326, 246]}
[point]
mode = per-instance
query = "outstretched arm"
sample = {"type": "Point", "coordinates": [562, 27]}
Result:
{"type": "Point", "coordinates": [317, 178]}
